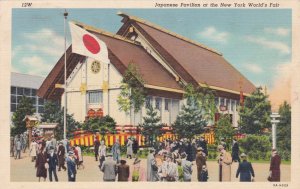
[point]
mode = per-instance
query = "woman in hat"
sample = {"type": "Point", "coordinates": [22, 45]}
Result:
{"type": "Point", "coordinates": [138, 173]}
{"type": "Point", "coordinates": [225, 161]}
{"type": "Point", "coordinates": [245, 169]}
{"type": "Point", "coordinates": [41, 160]}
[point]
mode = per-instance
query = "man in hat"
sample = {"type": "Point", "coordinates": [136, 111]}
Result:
{"type": "Point", "coordinates": [245, 169]}
{"type": "Point", "coordinates": [225, 161]}
{"type": "Point", "coordinates": [200, 161]}
{"type": "Point", "coordinates": [275, 166]}
{"type": "Point", "coordinates": [52, 160]}
{"type": "Point", "coordinates": [169, 169]}
{"type": "Point", "coordinates": [187, 168]}
{"type": "Point", "coordinates": [71, 166]}
{"type": "Point", "coordinates": [109, 169]}
{"type": "Point", "coordinates": [96, 148]}
{"type": "Point", "coordinates": [123, 171]}
{"type": "Point", "coordinates": [203, 144]}
{"type": "Point", "coordinates": [61, 156]}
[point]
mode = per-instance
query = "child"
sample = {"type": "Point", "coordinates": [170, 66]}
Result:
{"type": "Point", "coordinates": [180, 171]}
{"type": "Point", "coordinates": [204, 174]}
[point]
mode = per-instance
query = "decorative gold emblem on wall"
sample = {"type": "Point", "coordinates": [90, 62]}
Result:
{"type": "Point", "coordinates": [96, 67]}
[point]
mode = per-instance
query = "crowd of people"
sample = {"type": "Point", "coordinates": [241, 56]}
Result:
{"type": "Point", "coordinates": [168, 161]}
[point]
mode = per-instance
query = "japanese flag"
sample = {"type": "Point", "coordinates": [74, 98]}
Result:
{"type": "Point", "coordinates": [87, 44]}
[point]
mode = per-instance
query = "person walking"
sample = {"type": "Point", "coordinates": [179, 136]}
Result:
{"type": "Point", "coordinates": [129, 148]}
{"type": "Point", "coordinates": [138, 172]}
{"type": "Point", "coordinates": [18, 149]}
{"type": "Point", "coordinates": [61, 156]}
{"type": "Point", "coordinates": [71, 166]}
{"type": "Point", "coordinates": [40, 164]}
{"type": "Point", "coordinates": [152, 168]}
{"type": "Point", "coordinates": [123, 171]}
{"type": "Point", "coordinates": [225, 161]}
{"type": "Point", "coordinates": [109, 169]}
{"type": "Point", "coordinates": [187, 168]}
{"type": "Point", "coordinates": [102, 153]}
{"type": "Point", "coordinates": [116, 151]}
{"type": "Point", "coordinates": [54, 143]}
{"type": "Point", "coordinates": [275, 166]}
{"type": "Point", "coordinates": [52, 160]}
{"type": "Point", "coordinates": [245, 169]}
{"type": "Point", "coordinates": [235, 151]}
{"type": "Point", "coordinates": [96, 148]}
{"type": "Point", "coordinates": [200, 161]}
{"type": "Point", "coordinates": [135, 148]}
{"type": "Point", "coordinates": [80, 157]}
{"type": "Point", "coordinates": [33, 150]}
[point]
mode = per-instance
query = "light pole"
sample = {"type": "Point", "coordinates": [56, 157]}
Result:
{"type": "Point", "coordinates": [274, 122]}
{"type": "Point", "coordinates": [65, 78]}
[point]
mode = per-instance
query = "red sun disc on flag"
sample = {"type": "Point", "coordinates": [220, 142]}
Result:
{"type": "Point", "coordinates": [91, 44]}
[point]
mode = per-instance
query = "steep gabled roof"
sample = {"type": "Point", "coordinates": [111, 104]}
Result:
{"type": "Point", "coordinates": [195, 63]}
{"type": "Point", "coordinates": [121, 53]}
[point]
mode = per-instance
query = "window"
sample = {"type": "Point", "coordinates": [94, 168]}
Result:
{"type": "Point", "coordinates": [232, 105]}
{"type": "Point", "coordinates": [158, 103]}
{"type": "Point", "coordinates": [19, 99]}
{"type": "Point", "coordinates": [13, 107]}
{"type": "Point", "coordinates": [148, 102]}
{"type": "Point", "coordinates": [13, 90]}
{"type": "Point", "coordinates": [217, 101]}
{"type": "Point", "coordinates": [222, 101]}
{"type": "Point", "coordinates": [20, 91]}
{"type": "Point", "coordinates": [26, 92]}
{"type": "Point", "coordinates": [95, 97]}
{"type": "Point", "coordinates": [167, 104]}
{"type": "Point", "coordinates": [33, 92]}
{"type": "Point", "coordinates": [41, 101]}
{"type": "Point", "coordinates": [13, 99]}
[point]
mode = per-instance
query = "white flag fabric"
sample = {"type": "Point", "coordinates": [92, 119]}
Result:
{"type": "Point", "coordinates": [87, 44]}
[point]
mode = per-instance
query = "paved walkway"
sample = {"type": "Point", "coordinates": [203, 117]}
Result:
{"type": "Point", "coordinates": [22, 170]}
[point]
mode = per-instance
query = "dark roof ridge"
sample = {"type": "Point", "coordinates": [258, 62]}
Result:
{"type": "Point", "coordinates": [137, 19]}
{"type": "Point", "coordinates": [103, 32]}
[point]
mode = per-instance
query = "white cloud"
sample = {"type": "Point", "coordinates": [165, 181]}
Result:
{"type": "Point", "coordinates": [280, 31]}
{"type": "Point", "coordinates": [281, 86]}
{"type": "Point", "coordinates": [254, 68]}
{"type": "Point", "coordinates": [46, 41]}
{"type": "Point", "coordinates": [36, 65]}
{"type": "Point", "coordinates": [213, 34]}
{"type": "Point", "coordinates": [276, 45]}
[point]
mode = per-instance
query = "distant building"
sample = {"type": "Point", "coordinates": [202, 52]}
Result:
{"type": "Point", "coordinates": [166, 61]}
{"type": "Point", "coordinates": [26, 85]}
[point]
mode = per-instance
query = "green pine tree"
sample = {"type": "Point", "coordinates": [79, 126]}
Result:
{"type": "Point", "coordinates": [25, 107]}
{"type": "Point", "coordinates": [51, 111]}
{"type": "Point", "coordinates": [224, 129]}
{"type": "Point", "coordinates": [284, 128]}
{"type": "Point", "coordinates": [151, 127]}
{"type": "Point", "coordinates": [255, 115]}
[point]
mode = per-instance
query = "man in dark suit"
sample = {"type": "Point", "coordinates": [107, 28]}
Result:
{"type": "Point", "coordinates": [52, 160]}
{"type": "Point", "coordinates": [123, 171]}
{"type": "Point", "coordinates": [96, 148]}
{"type": "Point", "coordinates": [71, 165]}
{"type": "Point", "coordinates": [203, 145]}
{"type": "Point", "coordinates": [245, 170]}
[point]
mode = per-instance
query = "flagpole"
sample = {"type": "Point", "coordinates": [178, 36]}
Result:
{"type": "Point", "coordinates": [65, 78]}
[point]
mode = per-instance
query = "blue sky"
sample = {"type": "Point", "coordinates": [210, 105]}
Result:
{"type": "Point", "coordinates": [256, 42]}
